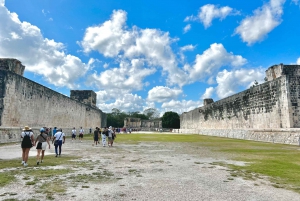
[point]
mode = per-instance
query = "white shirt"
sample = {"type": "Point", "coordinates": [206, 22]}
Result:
{"type": "Point", "coordinates": [30, 133]}
{"type": "Point", "coordinates": [74, 131]}
{"type": "Point", "coordinates": [59, 135]}
{"type": "Point", "coordinates": [110, 132]}
{"type": "Point", "coordinates": [81, 131]}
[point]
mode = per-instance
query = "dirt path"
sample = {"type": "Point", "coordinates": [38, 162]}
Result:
{"type": "Point", "coordinates": [146, 171]}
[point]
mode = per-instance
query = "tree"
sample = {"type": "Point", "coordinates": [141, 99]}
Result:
{"type": "Point", "coordinates": [170, 120]}
{"type": "Point", "coordinates": [151, 113]}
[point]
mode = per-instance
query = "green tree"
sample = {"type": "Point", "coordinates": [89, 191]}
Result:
{"type": "Point", "coordinates": [151, 113]}
{"type": "Point", "coordinates": [170, 120]}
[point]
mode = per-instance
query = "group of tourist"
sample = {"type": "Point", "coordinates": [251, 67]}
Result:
{"type": "Point", "coordinates": [41, 142]}
{"type": "Point", "coordinates": [109, 133]}
{"type": "Point", "coordinates": [58, 139]}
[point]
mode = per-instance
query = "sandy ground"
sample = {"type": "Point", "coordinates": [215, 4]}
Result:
{"type": "Point", "coordinates": [147, 171]}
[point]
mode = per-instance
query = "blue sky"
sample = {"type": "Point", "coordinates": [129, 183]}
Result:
{"type": "Point", "coordinates": [136, 54]}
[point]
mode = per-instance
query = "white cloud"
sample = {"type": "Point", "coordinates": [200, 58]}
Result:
{"type": "Point", "coordinates": [187, 48]}
{"type": "Point", "coordinates": [230, 81]}
{"type": "Point", "coordinates": [209, 12]}
{"type": "Point", "coordinates": [211, 60]}
{"type": "Point", "coordinates": [124, 102]}
{"type": "Point", "coordinates": [264, 19]}
{"type": "Point", "coordinates": [208, 93]}
{"type": "Point", "coordinates": [42, 56]}
{"type": "Point", "coordinates": [163, 94]}
{"type": "Point", "coordinates": [298, 61]}
{"type": "Point", "coordinates": [127, 77]}
{"type": "Point", "coordinates": [114, 39]}
{"type": "Point", "coordinates": [187, 28]}
{"type": "Point", "coordinates": [180, 106]}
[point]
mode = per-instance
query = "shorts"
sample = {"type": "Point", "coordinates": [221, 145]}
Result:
{"type": "Point", "coordinates": [73, 136]}
{"type": "Point", "coordinates": [81, 135]}
{"type": "Point", "coordinates": [41, 146]}
{"type": "Point", "coordinates": [109, 138]}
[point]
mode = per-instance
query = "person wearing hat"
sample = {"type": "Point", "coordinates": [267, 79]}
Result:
{"type": "Point", "coordinates": [42, 140]}
{"type": "Point", "coordinates": [27, 143]}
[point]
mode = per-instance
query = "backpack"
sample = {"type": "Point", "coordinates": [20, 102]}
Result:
{"type": "Point", "coordinates": [106, 132]}
{"type": "Point", "coordinates": [26, 139]}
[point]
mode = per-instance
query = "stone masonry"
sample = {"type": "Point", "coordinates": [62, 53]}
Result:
{"type": "Point", "coordinates": [267, 112]}
{"type": "Point", "coordinates": [26, 103]}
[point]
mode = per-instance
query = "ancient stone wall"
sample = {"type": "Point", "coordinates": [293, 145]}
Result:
{"type": "Point", "coordinates": [27, 103]}
{"type": "Point", "coordinates": [271, 105]}
{"type": "Point", "coordinates": [145, 125]}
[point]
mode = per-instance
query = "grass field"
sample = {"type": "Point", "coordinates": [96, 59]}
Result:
{"type": "Point", "coordinates": [281, 163]}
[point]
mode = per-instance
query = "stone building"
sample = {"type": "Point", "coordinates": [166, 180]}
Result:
{"type": "Point", "coordinates": [26, 103]}
{"type": "Point", "coordinates": [267, 112]}
{"type": "Point", "coordinates": [142, 125]}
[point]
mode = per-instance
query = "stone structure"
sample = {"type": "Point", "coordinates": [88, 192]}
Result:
{"type": "Point", "coordinates": [25, 102]}
{"type": "Point", "coordinates": [267, 112]}
{"type": "Point", "coordinates": [143, 125]}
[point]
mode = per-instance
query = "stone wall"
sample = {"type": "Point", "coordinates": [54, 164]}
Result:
{"type": "Point", "coordinates": [27, 103]}
{"type": "Point", "coordinates": [144, 125]}
{"type": "Point", "coordinates": [271, 105]}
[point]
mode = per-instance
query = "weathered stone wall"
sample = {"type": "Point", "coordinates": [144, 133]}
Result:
{"type": "Point", "coordinates": [29, 103]}
{"type": "Point", "coordinates": [271, 105]}
{"type": "Point", "coordinates": [145, 125]}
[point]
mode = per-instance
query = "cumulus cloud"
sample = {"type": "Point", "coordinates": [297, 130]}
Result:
{"type": "Point", "coordinates": [114, 39]}
{"type": "Point", "coordinates": [209, 12]}
{"type": "Point", "coordinates": [127, 77]}
{"type": "Point", "coordinates": [229, 81]}
{"type": "Point", "coordinates": [212, 60]}
{"type": "Point", "coordinates": [180, 106]}
{"type": "Point", "coordinates": [208, 93]}
{"type": "Point", "coordinates": [42, 56]}
{"type": "Point", "coordinates": [163, 94]}
{"type": "Point", "coordinates": [298, 61]}
{"type": "Point", "coordinates": [187, 28]}
{"type": "Point", "coordinates": [125, 102]}
{"type": "Point", "coordinates": [264, 19]}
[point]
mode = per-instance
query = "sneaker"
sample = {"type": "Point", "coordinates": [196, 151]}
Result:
{"type": "Point", "coordinates": [56, 155]}
{"type": "Point", "coordinates": [22, 163]}
{"type": "Point", "coordinates": [37, 162]}
{"type": "Point", "coordinates": [25, 164]}
{"type": "Point", "coordinates": [41, 161]}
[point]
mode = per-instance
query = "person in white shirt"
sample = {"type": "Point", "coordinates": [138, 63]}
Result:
{"type": "Point", "coordinates": [60, 138]}
{"type": "Point", "coordinates": [74, 134]}
{"type": "Point", "coordinates": [81, 131]}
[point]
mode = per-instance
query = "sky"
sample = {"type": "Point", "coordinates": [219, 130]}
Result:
{"type": "Point", "coordinates": [136, 54]}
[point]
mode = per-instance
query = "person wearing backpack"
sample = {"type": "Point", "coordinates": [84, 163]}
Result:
{"type": "Point", "coordinates": [27, 143]}
{"type": "Point", "coordinates": [42, 140]}
{"type": "Point", "coordinates": [103, 136]}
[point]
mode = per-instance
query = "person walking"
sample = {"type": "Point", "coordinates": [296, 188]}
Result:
{"type": "Point", "coordinates": [113, 136]}
{"type": "Point", "coordinates": [54, 131]}
{"type": "Point", "coordinates": [96, 136]}
{"type": "Point", "coordinates": [81, 131]}
{"type": "Point", "coordinates": [103, 136]}
{"type": "Point", "coordinates": [27, 143]}
{"type": "Point", "coordinates": [110, 134]}
{"type": "Point", "coordinates": [59, 139]}
{"type": "Point", "coordinates": [42, 140]}
{"type": "Point", "coordinates": [50, 134]}
{"type": "Point", "coordinates": [73, 133]}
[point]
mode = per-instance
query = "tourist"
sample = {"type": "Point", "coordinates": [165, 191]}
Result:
{"type": "Point", "coordinates": [103, 135]}
{"type": "Point", "coordinates": [90, 130]}
{"type": "Point", "coordinates": [96, 136]}
{"type": "Point", "coordinates": [110, 134]}
{"type": "Point", "coordinates": [113, 136]}
{"type": "Point", "coordinates": [81, 131]}
{"type": "Point", "coordinates": [50, 133]}
{"type": "Point", "coordinates": [59, 139]}
{"type": "Point", "coordinates": [42, 140]}
{"type": "Point", "coordinates": [27, 143]}
{"type": "Point", "coordinates": [73, 134]}
{"type": "Point", "coordinates": [54, 130]}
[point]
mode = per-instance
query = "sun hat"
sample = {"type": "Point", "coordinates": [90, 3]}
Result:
{"type": "Point", "coordinates": [42, 130]}
{"type": "Point", "coordinates": [110, 127]}
{"type": "Point", "coordinates": [26, 128]}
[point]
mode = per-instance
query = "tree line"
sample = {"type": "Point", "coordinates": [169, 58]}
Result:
{"type": "Point", "coordinates": [169, 119]}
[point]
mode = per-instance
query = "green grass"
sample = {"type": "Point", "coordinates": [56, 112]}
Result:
{"type": "Point", "coordinates": [6, 178]}
{"type": "Point", "coordinates": [278, 161]}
